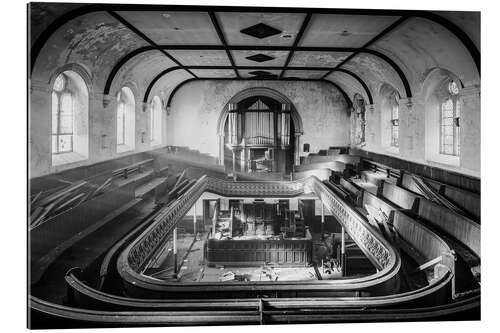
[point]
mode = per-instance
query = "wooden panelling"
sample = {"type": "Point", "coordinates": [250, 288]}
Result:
{"type": "Point", "coordinates": [258, 252]}
{"type": "Point", "coordinates": [461, 228]}
{"type": "Point", "coordinates": [399, 196]}
{"type": "Point", "coordinates": [465, 182]}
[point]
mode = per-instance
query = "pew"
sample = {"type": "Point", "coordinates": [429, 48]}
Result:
{"type": "Point", "coordinates": [467, 201]}
{"type": "Point", "coordinates": [398, 195]}
{"type": "Point", "coordinates": [458, 227]}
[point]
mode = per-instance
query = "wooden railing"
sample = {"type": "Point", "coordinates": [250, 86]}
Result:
{"type": "Point", "coordinates": [376, 248]}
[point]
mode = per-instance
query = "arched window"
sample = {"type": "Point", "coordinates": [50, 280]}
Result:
{"type": "Point", "coordinates": [389, 118]}
{"type": "Point", "coordinates": [125, 120]}
{"type": "Point", "coordinates": [62, 116]}
{"type": "Point", "coordinates": [69, 119]}
{"type": "Point", "coordinates": [394, 104]}
{"type": "Point", "coordinates": [449, 129]}
{"type": "Point", "coordinates": [156, 121]}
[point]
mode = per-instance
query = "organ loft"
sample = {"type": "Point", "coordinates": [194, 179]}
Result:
{"type": "Point", "coordinates": [201, 165]}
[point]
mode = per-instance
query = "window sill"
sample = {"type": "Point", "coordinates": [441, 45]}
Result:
{"type": "Point", "coordinates": [123, 148]}
{"type": "Point", "coordinates": [67, 158]}
{"type": "Point", "coordinates": [155, 144]}
{"type": "Point", "coordinates": [445, 159]}
{"type": "Point", "coordinates": [393, 150]}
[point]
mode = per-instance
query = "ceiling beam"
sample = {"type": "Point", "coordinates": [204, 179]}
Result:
{"type": "Point", "coordinates": [223, 40]}
{"type": "Point", "coordinates": [43, 38]}
{"type": "Point", "coordinates": [370, 42]}
{"type": "Point", "coordinates": [296, 42]}
{"type": "Point", "coordinates": [378, 54]}
{"type": "Point", "coordinates": [147, 39]}
{"type": "Point", "coordinates": [171, 69]}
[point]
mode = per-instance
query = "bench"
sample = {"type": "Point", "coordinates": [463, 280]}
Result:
{"type": "Point", "coordinates": [125, 172]}
{"type": "Point", "coordinates": [459, 227]}
{"type": "Point", "coordinates": [398, 195]}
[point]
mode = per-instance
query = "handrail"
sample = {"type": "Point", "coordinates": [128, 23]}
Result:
{"type": "Point", "coordinates": [375, 247]}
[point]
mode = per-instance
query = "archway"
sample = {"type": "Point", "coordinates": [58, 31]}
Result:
{"type": "Point", "coordinates": [259, 125]}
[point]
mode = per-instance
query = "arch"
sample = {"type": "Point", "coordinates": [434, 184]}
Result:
{"type": "Point", "coordinates": [389, 122]}
{"type": "Point", "coordinates": [156, 121]}
{"type": "Point", "coordinates": [260, 91]}
{"type": "Point", "coordinates": [433, 91]}
{"type": "Point", "coordinates": [125, 119]}
{"type": "Point", "coordinates": [70, 115]}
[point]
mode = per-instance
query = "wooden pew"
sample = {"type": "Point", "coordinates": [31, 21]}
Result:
{"type": "Point", "coordinates": [460, 228]}
{"type": "Point", "coordinates": [398, 195]}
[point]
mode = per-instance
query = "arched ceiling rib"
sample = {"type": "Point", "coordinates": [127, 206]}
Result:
{"type": "Point", "coordinates": [208, 43]}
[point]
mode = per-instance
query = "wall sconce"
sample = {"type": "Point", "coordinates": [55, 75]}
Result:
{"type": "Point", "coordinates": [409, 104]}
{"type": "Point", "coordinates": [104, 141]}
{"type": "Point", "coordinates": [168, 109]}
{"type": "Point", "coordinates": [143, 136]}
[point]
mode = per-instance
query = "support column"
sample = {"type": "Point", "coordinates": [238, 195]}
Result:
{"type": "Point", "coordinates": [234, 164]}
{"type": "Point", "coordinates": [297, 148]}
{"type": "Point", "coordinates": [174, 240]}
{"type": "Point", "coordinates": [342, 252]}
{"type": "Point", "coordinates": [194, 220]}
{"type": "Point", "coordinates": [470, 128]}
{"type": "Point", "coordinates": [322, 221]}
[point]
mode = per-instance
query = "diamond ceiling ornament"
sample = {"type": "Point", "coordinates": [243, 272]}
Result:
{"type": "Point", "coordinates": [260, 31]}
{"type": "Point", "coordinates": [260, 57]}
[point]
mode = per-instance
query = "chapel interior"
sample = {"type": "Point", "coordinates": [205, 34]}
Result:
{"type": "Point", "coordinates": [213, 165]}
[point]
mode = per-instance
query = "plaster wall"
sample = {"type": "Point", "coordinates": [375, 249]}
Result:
{"type": "Point", "coordinates": [196, 108]}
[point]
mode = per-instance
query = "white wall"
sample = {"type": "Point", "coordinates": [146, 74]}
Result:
{"type": "Point", "coordinates": [196, 108]}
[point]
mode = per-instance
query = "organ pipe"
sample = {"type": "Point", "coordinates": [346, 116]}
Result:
{"type": "Point", "coordinates": [256, 126]}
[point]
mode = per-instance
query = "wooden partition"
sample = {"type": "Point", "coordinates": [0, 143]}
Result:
{"type": "Point", "coordinates": [462, 181]}
{"type": "Point", "coordinates": [461, 228]}
{"type": "Point", "coordinates": [398, 195]}
{"type": "Point", "coordinates": [287, 252]}
{"type": "Point", "coordinates": [424, 244]}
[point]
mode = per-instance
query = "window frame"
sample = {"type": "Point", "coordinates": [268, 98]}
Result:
{"type": "Point", "coordinates": [59, 94]}
{"type": "Point", "coordinates": [394, 122]}
{"type": "Point", "coordinates": [452, 95]}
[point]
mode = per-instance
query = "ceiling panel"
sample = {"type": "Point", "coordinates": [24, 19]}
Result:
{"type": "Point", "coordinates": [240, 58]}
{"type": "Point", "coordinates": [174, 27]}
{"type": "Point", "coordinates": [344, 30]}
{"type": "Point", "coordinates": [201, 57]}
{"type": "Point", "coordinates": [214, 73]}
{"type": "Point", "coordinates": [232, 23]}
{"type": "Point", "coordinates": [317, 59]}
{"type": "Point", "coordinates": [246, 73]}
{"type": "Point", "coordinates": [304, 74]}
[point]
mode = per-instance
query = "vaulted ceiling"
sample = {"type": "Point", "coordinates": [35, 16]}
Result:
{"type": "Point", "coordinates": [159, 46]}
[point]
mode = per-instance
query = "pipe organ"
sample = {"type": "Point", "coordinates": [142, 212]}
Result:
{"type": "Point", "coordinates": [259, 134]}
{"type": "Point", "coordinates": [256, 125]}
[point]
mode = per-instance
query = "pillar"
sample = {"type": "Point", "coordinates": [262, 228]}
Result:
{"type": "Point", "coordinates": [322, 221]}
{"type": "Point", "coordinates": [297, 148]}
{"type": "Point", "coordinates": [174, 241]}
{"type": "Point", "coordinates": [470, 128]}
{"type": "Point", "coordinates": [342, 252]}
{"type": "Point", "coordinates": [194, 220]}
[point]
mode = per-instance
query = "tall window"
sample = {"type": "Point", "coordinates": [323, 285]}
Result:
{"type": "Point", "coordinates": [156, 122]}
{"type": "Point", "coordinates": [70, 119]}
{"type": "Point", "coordinates": [450, 122]}
{"type": "Point", "coordinates": [394, 121]}
{"type": "Point", "coordinates": [125, 120]}
{"type": "Point", "coordinates": [120, 121]}
{"type": "Point", "coordinates": [62, 116]}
